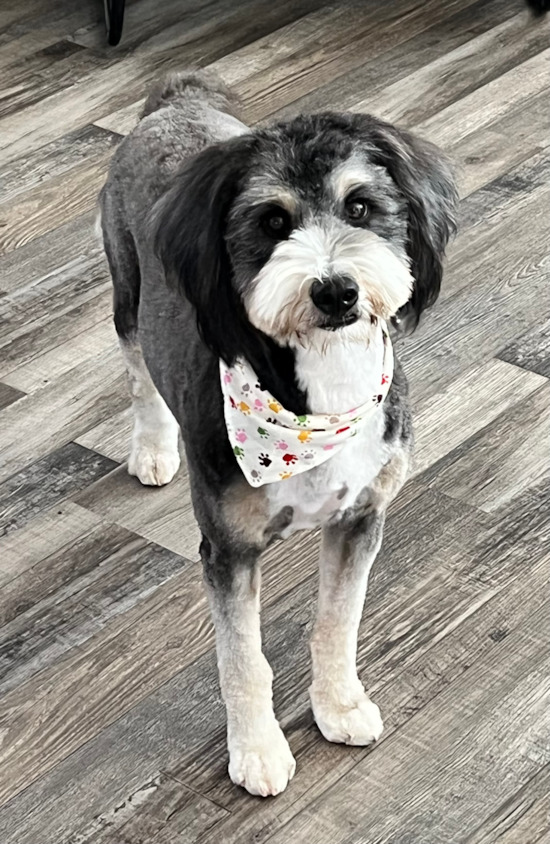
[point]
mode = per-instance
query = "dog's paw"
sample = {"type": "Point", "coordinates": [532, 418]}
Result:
{"type": "Point", "coordinates": [263, 765]}
{"type": "Point", "coordinates": [153, 467]}
{"type": "Point", "coordinates": [346, 718]}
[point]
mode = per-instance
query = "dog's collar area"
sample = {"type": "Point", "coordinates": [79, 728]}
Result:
{"type": "Point", "coordinates": [271, 443]}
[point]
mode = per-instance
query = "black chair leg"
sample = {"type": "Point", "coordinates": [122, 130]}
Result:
{"type": "Point", "coordinates": [114, 20]}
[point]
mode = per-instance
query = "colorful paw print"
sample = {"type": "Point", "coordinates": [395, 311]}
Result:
{"type": "Point", "coordinates": [275, 406]}
{"type": "Point", "coordinates": [263, 433]}
{"type": "Point", "coordinates": [227, 377]}
{"type": "Point", "coordinates": [300, 420]}
{"type": "Point", "coordinates": [284, 476]}
{"type": "Point", "coordinates": [265, 460]}
{"type": "Point", "coordinates": [238, 451]}
{"type": "Point", "coordinates": [240, 436]}
{"type": "Point", "coordinates": [281, 445]}
{"type": "Point", "coordinates": [255, 475]}
{"type": "Point", "coordinates": [258, 405]}
{"type": "Point", "coordinates": [304, 436]}
{"type": "Point", "coordinates": [290, 459]}
{"type": "Point", "coordinates": [244, 408]}
{"type": "Point", "coordinates": [341, 430]}
{"type": "Point", "coordinates": [307, 455]}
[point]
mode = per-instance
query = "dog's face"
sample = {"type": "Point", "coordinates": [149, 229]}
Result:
{"type": "Point", "coordinates": [319, 225]}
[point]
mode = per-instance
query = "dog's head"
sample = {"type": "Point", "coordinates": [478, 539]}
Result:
{"type": "Point", "coordinates": [319, 224]}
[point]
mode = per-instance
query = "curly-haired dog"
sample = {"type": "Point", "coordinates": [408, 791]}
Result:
{"type": "Point", "coordinates": [254, 273]}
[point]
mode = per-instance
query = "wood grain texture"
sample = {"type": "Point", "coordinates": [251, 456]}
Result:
{"type": "Point", "coordinates": [532, 351]}
{"type": "Point", "coordinates": [8, 395]}
{"type": "Point", "coordinates": [112, 725]}
{"type": "Point", "coordinates": [46, 482]}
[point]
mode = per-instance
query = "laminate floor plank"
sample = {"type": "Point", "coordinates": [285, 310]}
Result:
{"type": "Point", "coordinates": [39, 423]}
{"type": "Point", "coordinates": [531, 351]}
{"type": "Point", "coordinates": [8, 395]}
{"type": "Point", "coordinates": [61, 602]}
{"type": "Point", "coordinates": [51, 479]}
{"type": "Point", "coordinates": [523, 817]}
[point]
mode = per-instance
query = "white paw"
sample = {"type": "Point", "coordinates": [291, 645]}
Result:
{"type": "Point", "coordinates": [153, 466]}
{"type": "Point", "coordinates": [263, 765]}
{"type": "Point", "coordinates": [346, 718]}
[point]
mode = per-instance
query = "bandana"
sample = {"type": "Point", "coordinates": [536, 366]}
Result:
{"type": "Point", "coordinates": [272, 444]}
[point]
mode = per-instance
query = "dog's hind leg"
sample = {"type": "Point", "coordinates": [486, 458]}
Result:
{"type": "Point", "coordinates": [260, 759]}
{"type": "Point", "coordinates": [154, 456]}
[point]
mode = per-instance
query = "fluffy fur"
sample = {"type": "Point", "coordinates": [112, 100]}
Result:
{"type": "Point", "coordinates": [282, 245]}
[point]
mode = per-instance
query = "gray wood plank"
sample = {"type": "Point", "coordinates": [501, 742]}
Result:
{"type": "Point", "coordinates": [8, 395]}
{"type": "Point", "coordinates": [55, 159]}
{"type": "Point", "coordinates": [441, 37]}
{"type": "Point", "coordinates": [531, 351]}
{"type": "Point", "coordinates": [522, 818]}
{"type": "Point", "coordinates": [48, 481]}
{"type": "Point", "coordinates": [508, 277]}
{"type": "Point", "coordinates": [39, 423]}
{"type": "Point", "coordinates": [511, 454]}
{"type": "Point", "coordinates": [70, 244]}
{"type": "Point", "coordinates": [162, 811]}
{"type": "Point", "coordinates": [61, 602]}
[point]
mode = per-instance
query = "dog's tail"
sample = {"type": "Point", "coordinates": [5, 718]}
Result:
{"type": "Point", "coordinates": [183, 86]}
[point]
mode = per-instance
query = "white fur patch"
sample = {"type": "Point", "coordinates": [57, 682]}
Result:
{"type": "Point", "coordinates": [280, 304]}
{"type": "Point", "coordinates": [154, 456]}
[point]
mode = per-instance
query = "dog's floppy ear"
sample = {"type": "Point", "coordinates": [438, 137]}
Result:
{"type": "Point", "coordinates": [189, 226]}
{"type": "Point", "coordinates": [425, 178]}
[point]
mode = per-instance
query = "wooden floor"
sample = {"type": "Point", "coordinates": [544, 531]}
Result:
{"type": "Point", "coordinates": [111, 724]}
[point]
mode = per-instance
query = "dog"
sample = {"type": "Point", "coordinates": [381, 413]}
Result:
{"type": "Point", "coordinates": [255, 275]}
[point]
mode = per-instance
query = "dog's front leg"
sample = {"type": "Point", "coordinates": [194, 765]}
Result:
{"type": "Point", "coordinates": [342, 708]}
{"type": "Point", "coordinates": [259, 756]}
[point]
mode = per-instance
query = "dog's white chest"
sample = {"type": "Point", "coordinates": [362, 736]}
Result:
{"type": "Point", "coordinates": [319, 494]}
{"type": "Point", "coordinates": [339, 377]}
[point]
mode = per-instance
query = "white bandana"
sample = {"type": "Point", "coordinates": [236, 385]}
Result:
{"type": "Point", "coordinates": [271, 443]}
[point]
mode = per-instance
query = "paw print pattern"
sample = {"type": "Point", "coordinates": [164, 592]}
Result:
{"type": "Point", "coordinates": [246, 389]}
{"type": "Point", "coordinates": [240, 436]}
{"type": "Point", "coordinates": [271, 420]}
{"type": "Point", "coordinates": [385, 379]}
{"type": "Point", "coordinates": [244, 408]}
{"type": "Point", "coordinates": [289, 459]}
{"type": "Point", "coordinates": [265, 460]}
{"type": "Point", "coordinates": [238, 451]}
{"type": "Point", "coordinates": [300, 420]}
{"type": "Point", "coordinates": [255, 475]}
{"type": "Point", "coordinates": [227, 377]}
{"type": "Point", "coordinates": [304, 436]}
{"type": "Point", "coordinates": [281, 445]}
{"type": "Point", "coordinates": [284, 476]}
{"type": "Point", "coordinates": [275, 406]}
{"type": "Point", "coordinates": [263, 433]}
{"type": "Point", "coordinates": [258, 405]}
{"type": "Point", "coordinates": [307, 455]}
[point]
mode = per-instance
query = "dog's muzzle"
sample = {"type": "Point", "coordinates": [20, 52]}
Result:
{"type": "Point", "coordinates": [335, 298]}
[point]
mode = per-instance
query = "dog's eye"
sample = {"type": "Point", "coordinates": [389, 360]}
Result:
{"type": "Point", "coordinates": [356, 209]}
{"type": "Point", "coordinates": [276, 224]}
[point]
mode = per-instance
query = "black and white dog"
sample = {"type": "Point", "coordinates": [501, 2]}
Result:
{"type": "Point", "coordinates": [254, 272]}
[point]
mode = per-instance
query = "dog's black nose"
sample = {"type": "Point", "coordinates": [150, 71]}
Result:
{"type": "Point", "coordinates": [334, 296]}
